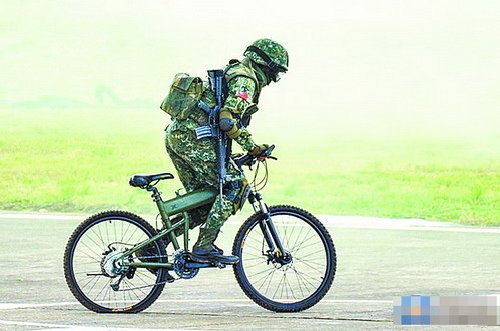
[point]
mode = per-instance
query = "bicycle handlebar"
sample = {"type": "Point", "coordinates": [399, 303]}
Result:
{"type": "Point", "coordinates": [249, 160]}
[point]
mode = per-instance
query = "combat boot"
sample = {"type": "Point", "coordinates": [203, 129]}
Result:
{"type": "Point", "coordinates": [212, 254]}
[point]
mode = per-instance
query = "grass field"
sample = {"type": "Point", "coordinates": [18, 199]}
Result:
{"type": "Point", "coordinates": [388, 109]}
{"type": "Point", "coordinates": [79, 160]}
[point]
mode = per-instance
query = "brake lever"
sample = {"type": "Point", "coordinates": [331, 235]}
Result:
{"type": "Point", "coordinates": [263, 158]}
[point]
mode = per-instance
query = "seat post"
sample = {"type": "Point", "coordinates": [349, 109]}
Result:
{"type": "Point", "coordinates": [155, 193]}
{"type": "Point", "coordinates": [164, 215]}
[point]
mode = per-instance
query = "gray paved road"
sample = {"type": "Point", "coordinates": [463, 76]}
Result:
{"type": "Point", "coordinates": [374, 266]}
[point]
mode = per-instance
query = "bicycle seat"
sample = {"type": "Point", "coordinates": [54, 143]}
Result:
{"type": "Point", "coordinates": [141, 180]}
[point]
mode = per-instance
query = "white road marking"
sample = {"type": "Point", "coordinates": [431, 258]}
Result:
{"type": "Point", "coordinates": [411, 224]}
{"type": "Point", "coordinates": [414, 228]}
{"type": "Point", "coordinates": [8, 306]}
{"type": "Point", "coordinates": [349, 222]}
{"type": "Point", "coordinates": [75, 327]}
{"type": "Point", "coordinates": [331, 301]}
{"type": "Point", "coordinates": [5, 306]}
{"type": "Point", "coordinates": [42, 216]}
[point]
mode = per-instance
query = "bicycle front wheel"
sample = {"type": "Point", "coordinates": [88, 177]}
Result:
{"type": "Point", "coordinates": [292, 284]}
{"type": "Point", "coordinates": [98, 282]}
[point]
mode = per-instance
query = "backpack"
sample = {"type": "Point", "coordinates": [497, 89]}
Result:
{"type": "Point", "coordinates": [183, 97]}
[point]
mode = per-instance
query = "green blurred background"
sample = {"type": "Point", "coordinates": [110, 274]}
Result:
{"type": "Point", "coordinates": [390, 108]}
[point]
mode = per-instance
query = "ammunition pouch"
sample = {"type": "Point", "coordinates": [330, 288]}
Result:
{"type": "Point", "coordinates": [247, 114]}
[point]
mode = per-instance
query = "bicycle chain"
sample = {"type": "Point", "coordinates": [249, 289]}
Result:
{"type": "Point", "coordinates": [139, 287]}
{"type": "Point", "coordinates": [146, 286]}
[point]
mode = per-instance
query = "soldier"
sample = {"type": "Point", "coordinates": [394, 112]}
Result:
{"type": "Point", "coordinates": [195, 160]}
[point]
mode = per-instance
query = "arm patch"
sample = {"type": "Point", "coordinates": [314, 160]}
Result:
{"type": "Point", "coordinates": [243, 93]}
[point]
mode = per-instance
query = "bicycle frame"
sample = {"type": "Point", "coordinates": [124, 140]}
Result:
{"type": "Point", "coordinates": [267, 226]}
{"type": "Point", "coordinates": [181, 205]}
{"type": "Point", "coordinates": [178, 205]}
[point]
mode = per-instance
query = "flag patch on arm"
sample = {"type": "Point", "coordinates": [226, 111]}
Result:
{"type": "Point", "coordinates": [243, 93]}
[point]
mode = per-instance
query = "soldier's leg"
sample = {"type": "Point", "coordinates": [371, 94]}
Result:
{"type": "Point", "coordinates": [184, 151]}
{"type": "Point", "coordinates": [223, 207]}
{"type": "Point", "coordinates": [198, 154]}
{"type": "Point", "coordinates": [220, 212]}
{"type": "Point", "coordinates": [191, 181]}
{"type": "Point", "coordinates": [187, 175]}
{"type": "Point", "coordinates": [201, 157]}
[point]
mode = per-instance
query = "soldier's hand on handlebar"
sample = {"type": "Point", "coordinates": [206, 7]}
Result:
{"type": "Point", "coordinates": [258, 149]}
{"type": "Point", "coordinates": [249, 159]}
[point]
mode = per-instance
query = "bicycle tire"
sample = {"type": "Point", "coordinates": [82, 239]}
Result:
{"type": "Point", "coordinates": [254, 294]}
{"type": "Point", "coordinates": [68, 262]}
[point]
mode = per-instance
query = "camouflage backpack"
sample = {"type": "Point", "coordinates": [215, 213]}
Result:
{"type": "Point", "coordinates": [182, 100]}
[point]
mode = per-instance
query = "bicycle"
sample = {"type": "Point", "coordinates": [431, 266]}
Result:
{"type": "Point", "coordinates": [287, 257]}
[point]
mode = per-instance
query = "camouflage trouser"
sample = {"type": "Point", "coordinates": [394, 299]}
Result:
{"type": "Point", "coordinates": [195, 162]}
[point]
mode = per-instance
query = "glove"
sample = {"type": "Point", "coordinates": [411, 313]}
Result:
{"type": "Point", "coordinates": [257, 149]}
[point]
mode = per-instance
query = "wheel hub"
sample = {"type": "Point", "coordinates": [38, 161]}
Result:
{"type": "Point", "coordinates": [284, 262]}
{"type": "Point", "coordinates": [111, 264]}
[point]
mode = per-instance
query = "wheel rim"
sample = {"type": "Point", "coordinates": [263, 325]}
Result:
{"type": "Point", "coordinates": [295, 282]}
{"type": "Point", "coordinates": [91, 259]}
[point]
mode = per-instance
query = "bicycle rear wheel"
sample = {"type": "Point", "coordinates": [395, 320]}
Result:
{"type": "Point", "coordinates": [291, 286]}
{"type": "Point", "coordinates": [92, 275]}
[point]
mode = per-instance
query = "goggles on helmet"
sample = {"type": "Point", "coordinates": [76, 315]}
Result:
{"type": "Point", "coordinates": [279, 75]}
{"type": "Point", "coordinates": [276, 71]}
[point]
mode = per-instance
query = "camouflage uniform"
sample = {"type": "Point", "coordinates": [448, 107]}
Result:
{"type": "Point", "coordinates": [195, 160]}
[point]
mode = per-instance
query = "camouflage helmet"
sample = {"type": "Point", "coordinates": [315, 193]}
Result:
{"type": "Point", "coordinates": [269, 53]}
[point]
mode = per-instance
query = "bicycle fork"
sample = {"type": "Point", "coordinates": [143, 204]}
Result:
{"type": "Point", "coordinates": [266, 225]}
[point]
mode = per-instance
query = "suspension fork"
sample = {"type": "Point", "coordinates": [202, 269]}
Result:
{"type": "Point", "coordinates": [266, 225]}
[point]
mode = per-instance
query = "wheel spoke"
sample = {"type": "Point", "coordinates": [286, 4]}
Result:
{"type": "Point", "coordinates": [310, 266]}
{"type": "Point", "coordinates": [270, 280]}
{"type": "Point", "coordinates": [94, 284]}
{"type": "Point", "coordinates": [303, 242]}
{"type": "Point", "coordinates": [300, 273]}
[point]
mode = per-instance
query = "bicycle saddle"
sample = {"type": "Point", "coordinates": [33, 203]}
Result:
{"type": "Point", "coordinates": [141, 180]}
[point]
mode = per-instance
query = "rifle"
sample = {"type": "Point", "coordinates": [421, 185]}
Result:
{"type": "Point", "coordinates": [212, 130]}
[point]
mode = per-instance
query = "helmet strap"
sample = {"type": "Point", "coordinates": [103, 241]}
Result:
{"type": "Point", "coordinates": [263, 73]}
{"type": "Point", "coordinates": [269, 62]}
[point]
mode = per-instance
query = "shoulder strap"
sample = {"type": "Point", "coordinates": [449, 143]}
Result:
{"type": "Point", "coordinates": [225, 80]}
